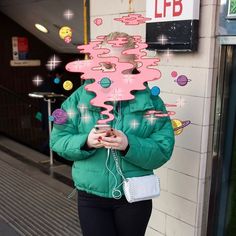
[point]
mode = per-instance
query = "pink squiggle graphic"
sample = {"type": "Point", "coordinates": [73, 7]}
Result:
{"type": "Point", "coordinates": [133, 19]}
{"type": "Point", "coordinates": [159, 113]}
{"type": "Point", "coordinates": [170, 105]}
{"type": "Point", "coordinates": [116, 87]}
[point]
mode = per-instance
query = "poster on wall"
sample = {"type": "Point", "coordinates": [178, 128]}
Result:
{"type": "Point", "coordinates": [20, 48]}
{"type": "Point", "coordinates": [232, 9]}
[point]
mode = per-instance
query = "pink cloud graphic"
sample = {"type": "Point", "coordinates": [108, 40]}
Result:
{"type": "Point", "coordinates": [114, 85]}
{"type": "Point", "coordinates": [133, 19]}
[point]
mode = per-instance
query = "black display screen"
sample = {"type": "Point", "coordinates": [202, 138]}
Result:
{"type": "Point", "coordinates": [173, 35]}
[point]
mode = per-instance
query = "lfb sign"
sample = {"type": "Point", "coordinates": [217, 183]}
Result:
{"type": "Point", "coordinates": [172, 10]}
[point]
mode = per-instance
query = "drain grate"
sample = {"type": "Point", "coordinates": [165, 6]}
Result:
{"type": "Point", "coordinates": [32, 208]}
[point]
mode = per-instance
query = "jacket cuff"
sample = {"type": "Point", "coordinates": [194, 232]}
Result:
{"type": "Point", "coordinates": [123, 153]}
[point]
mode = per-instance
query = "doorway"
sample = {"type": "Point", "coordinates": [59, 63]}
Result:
{"type": "Point", "coordinates": [222, 208]}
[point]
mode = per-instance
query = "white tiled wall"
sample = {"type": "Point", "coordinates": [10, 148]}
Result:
{"type": "Point", "coordinates": [181, 210]}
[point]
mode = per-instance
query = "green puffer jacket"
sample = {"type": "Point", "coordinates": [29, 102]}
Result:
{"type": "Point", "coordinates": [150, 142]}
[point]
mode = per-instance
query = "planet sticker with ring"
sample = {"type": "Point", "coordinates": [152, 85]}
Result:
{"type": "Point", "coordinates": [181, 80]}
{"type": "Point", "coordinates": [178, 125]}
{"type": "Point", "coordinates": [105, 82]}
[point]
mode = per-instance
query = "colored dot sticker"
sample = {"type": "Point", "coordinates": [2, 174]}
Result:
{"type": "Point", "coordinates": [174, 74]}
{"type": "Point", "coordinates": [105, 82]}
{"type": "Point", "coordinates": [57, 80]}
{"type": "Point", "coordinates": [51, 118]}
{"type": "Point", "coordinates": [155, 91]}
{"type": "Point", "coordinates": [67, 85]}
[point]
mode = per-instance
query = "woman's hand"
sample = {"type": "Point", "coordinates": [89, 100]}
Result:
{"type": "Point", "coordinates": [94, 138]}
{"type": "Point", "coordinates": [117, 140]}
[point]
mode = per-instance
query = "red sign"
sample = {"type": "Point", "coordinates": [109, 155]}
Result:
{"type": "Point", "coordinates": [175, 6]}
{"type": "Point", "coordinates": [20, 48]}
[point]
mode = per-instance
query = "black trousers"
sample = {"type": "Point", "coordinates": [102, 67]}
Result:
{"type": "Point", "coordinates": [110, 217]}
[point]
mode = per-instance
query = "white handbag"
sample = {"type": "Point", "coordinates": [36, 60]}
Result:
{"type": "Point", "coordinates": [141, 188]}
{"type": "Point", "coordinates": [137, 188]}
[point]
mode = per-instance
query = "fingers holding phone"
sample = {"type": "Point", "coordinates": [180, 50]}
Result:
{"type": "Point", "coordinates": [97, 134]}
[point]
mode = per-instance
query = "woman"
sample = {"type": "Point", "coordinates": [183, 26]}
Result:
{"type": "Point", "coordinates": [102, 208]}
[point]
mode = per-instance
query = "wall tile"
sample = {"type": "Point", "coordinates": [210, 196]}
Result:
{"type": "Point", "coordinates": [190, 138]}
{"type": "Point", "coordinates": [106, 7]}
{"type": "Point", "coordinates": [162, 173]}
{"type": "Point", "coordinates": [152, 232]}
{"type": "Point", "coordinates": [135, 6]}
{"type": "Point", "coordinates": [208, 110]}
{"type": "Point", "coordinates": [198, 232]}
{"type": "Point", "coordinates": [210, 85]}
{"type": "Point", "coordinates": [203, 166]}
{"type": "Point", "coordinates": [158, 221]}
{"type": "Point", "coordinates": [182, 185]}
{"type": "Point", "coordinates": [208, 2]}
{"type": "Point", "coordinates": [207, 137]}
{"type": "Point", "coordinates": [176, 227]}
{"type": "Point", "coordinates": [185, 161]}
{"type": "Point", "coordinates": [176, 206]}
{"type": "Point", "coordinates": [205, 55]}
{"type": "Point", "coordinates": [109, 25]}
{"type": "Point", "coordinates": [207, 14]}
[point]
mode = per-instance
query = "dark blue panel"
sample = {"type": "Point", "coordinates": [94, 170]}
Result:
{"type": "Point", "coordinates": [227, 25]}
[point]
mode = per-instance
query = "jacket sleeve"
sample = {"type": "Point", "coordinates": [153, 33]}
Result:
{"type": "Point", "coordinates": [66, 139]}
{"type": "Point", "coordinates": [152, 152]}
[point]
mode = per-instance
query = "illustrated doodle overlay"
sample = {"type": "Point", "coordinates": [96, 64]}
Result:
{"type": "Point", "coordinates": [113, 85]}
{"type": "Point", "coordinates": [133, 19]}
{"type": "Point", "coordinates": [59, 116]}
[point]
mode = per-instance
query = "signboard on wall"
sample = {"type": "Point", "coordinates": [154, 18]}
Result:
{"type": "Point", "coordinates": [173, 24]}
{"type": "Point", "coordinates": [20, 48]}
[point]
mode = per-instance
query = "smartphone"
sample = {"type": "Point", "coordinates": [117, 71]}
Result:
{"type": "Point", "coordinates": [104, 127]}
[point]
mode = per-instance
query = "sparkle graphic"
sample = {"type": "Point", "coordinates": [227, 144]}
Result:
{"type": "Point", "coordinates": [53, 62]}
{"type": "Point", "coordinates": [117, 94]}
{"type": "Point", "coordinates": [151, 119]}
{"type": "Point", "coordinates": [134, 124]}
{"type": "Point", "coordinates": [168, 55]}
{"type": "Point", "coordinates": [180, 102]}
{"type": "Point", "coordinates": [85, 118]}
{"type": "Point", "coordinates": [133, 19]}
{"type": "Point", "coordinates": [128, 79]}
{"type": "Point", "coordinates": [83, 108]}
{"type": "Point", "coordinates": [162, 39]}
{"type": "Point", "coordinates": [68, 14]}
{"type": "Point", "coordinates": [71, 113]}
{"type": "Point", "coordinates": [37, 80]}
